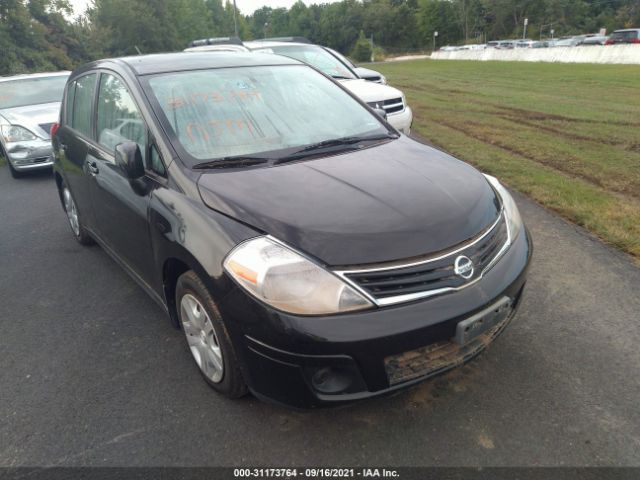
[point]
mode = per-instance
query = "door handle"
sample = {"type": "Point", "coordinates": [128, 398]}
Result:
{"type": "Point", "coordinates": [93, 168]}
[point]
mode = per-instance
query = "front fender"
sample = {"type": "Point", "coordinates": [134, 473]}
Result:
{"type": "Point", "coordinates": [183, 229]}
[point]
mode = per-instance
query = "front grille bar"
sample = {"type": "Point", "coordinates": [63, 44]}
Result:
{"type": "Point", "coordinates": [416, 293]}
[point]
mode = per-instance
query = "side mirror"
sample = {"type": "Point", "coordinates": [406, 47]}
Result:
{"type": "Point", "coordinates": [129, 159]}
{"type": "Point", "coordinates": [381, 113]}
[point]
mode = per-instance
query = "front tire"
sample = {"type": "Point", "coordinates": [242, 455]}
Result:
{"type": "Point", "coordinates": [14, 173]}
{"type": "Point", "coordinates": [207, 337]}
{"type": "Point", "coordinates": [75, 222]}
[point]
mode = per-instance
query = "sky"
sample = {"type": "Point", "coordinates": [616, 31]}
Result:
{"type": "Point", "coordinates": [247, 7]}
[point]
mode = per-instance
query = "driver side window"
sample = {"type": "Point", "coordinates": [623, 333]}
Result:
{"type": "Point", "coordinates": [118, 119]}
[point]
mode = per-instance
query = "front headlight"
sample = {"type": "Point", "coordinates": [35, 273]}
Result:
{"type": "Point", "coordinates": [383, 79]}
{"type": "Point", "coordinates": [288, 281]}
{"type": "Point", "coordinates": [514, 221]}
{"type": "Point", "coordinates": [16, 133]}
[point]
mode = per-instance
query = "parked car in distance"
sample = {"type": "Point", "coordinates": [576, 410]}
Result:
{"type": "Point", "coordinates": [629, 35]}
{"type": "Point", "coordinates": [570, 41]}
{"type": "Point", "coordinates": [524, 43]}
{"type": "Point", "coordinates": [595, 40]}
{"type": "Point", "coordinates": [364, 73]}
{"type": "Point", "coordinates": [29, 105]}
{"type": "Point", "coordinates": [377, 96]}
{"type": "Point", "coordinates": [310, 254]}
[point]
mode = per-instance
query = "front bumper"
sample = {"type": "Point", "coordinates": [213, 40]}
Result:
{"type": "Point", "coordinates": [402, 120]}
{"type": "Point", "coordinates": [308, 362]}
{"type": "Point", "coordinates": [30, 155]}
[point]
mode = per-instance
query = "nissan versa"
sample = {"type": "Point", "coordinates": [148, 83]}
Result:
{"type": "Point", "coordinates": [310, 253]}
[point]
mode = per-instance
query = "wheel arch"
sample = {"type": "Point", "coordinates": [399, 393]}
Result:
{"type": "Point", "coordinates": [172, 268]}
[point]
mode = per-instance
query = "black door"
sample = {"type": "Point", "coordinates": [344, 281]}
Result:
{"type": "Point", "coordinates": [121, 206]}
{"type": "Point", "coordinates": [74, 138]}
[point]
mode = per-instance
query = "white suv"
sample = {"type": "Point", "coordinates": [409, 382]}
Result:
{"type": "Point", "coordinates": [376, 95]}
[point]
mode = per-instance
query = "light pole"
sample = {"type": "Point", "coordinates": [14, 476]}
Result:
{"type": "Point", "coordinates": [542, 27]}
{"type": "Point", "coordinates": [526, 22]}
{"type": "Point", "coordinates": [552, 32]}
{"type": "Point", "coordinates": [266, 24]}
{"type": "Point", "coordinates": [372, 54]}
{"type": "Point", "coordinates": [435, 35]}
{"type": "Point", "coordinates": [235, 22]}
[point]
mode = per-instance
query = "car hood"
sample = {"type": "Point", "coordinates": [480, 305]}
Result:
{"type": "Point", "coordinates": [371, 92]}
{"type": "Point", "coordinates": [366, 73]}
{"type": "Point", "coordinates": [395, 201]}
{"type": "Point", "coordinates": [36, 118]}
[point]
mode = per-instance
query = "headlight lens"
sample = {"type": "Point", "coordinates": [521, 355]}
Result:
{"type": "Point", "coordinates": [16, 133]}
{"type": "Point", "coordinates": [287, 281]}
{"type": "Point", "coordinates": [514, 221]}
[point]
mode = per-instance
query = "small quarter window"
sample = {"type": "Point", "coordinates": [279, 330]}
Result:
{"type": "Point", "coordinates": [156, 165]}
{"type": "Point", "coordinates": [68, 109]}
{"type": "Point", "coordinates": [83, 103]}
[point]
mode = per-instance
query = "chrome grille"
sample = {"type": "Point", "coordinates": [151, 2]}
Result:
{"type": "Point", "coordinates": [394, 105]}
{"type": "Point", "coordinates": [433, 275]}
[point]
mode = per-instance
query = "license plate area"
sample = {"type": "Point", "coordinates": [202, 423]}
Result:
{"type": "Point", "coordinates": [469, 329]}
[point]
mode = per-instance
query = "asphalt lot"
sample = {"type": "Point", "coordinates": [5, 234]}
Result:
{"type": "Point", "coordinates": [93, 373]}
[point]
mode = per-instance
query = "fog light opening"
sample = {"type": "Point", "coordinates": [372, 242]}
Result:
{"type": "Point", "coordinates": [331, 380]}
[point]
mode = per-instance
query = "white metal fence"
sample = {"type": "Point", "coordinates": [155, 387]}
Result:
{"type": "Point", "coordinates": [620, 54]}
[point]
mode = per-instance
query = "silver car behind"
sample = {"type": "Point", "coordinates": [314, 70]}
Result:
{"type": "Point", "coordinates": [29, 105]}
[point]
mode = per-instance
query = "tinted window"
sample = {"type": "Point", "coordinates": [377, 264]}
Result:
{"type": "Point", "coordinates": [82, 103]}
{"type": "Point", "coordinates": [68, 109]}
{"type": "Point", "coordinates": [32, 91]}
{"type": "Point", "coordinates": [243, 111]}
{"type": "Point", "coordinates": [625, 36]}
{"type": "Point", "coordinates": [118, 119]}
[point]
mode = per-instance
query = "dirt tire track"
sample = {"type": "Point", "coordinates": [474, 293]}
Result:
{"type": "Point", "coordinates": [570, 173]}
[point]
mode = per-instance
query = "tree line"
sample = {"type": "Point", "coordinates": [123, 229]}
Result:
{"type": "Point", "coordinates": [39, 35]}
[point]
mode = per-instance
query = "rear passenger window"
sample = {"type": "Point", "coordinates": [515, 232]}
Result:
{"type": "Point", "coordinates": [82, 103]}
{"type": "Point", "coordinates": [118, 119]}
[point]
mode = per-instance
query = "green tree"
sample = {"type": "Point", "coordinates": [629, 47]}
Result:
{"type": "Point", "coordinates": [362, 50]}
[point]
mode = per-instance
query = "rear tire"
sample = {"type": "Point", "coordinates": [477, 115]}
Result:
{"type": "Point", "coordinates": [75, 220]}
{"type": "Point", "coordinates": [207, 336]}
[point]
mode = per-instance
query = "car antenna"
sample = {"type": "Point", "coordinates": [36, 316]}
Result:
{"type": "Point", "coordinates": [137, 50]}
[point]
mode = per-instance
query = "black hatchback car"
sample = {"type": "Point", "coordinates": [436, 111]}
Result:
{"type": "Point", "coordinates": [311, 253]}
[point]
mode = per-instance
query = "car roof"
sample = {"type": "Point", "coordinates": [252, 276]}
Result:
{"type": "Point", "coordinates": [628, 30]}
{"type": "Point", "coordinates": [185, 61]}
{"type": "Point", "coordinates": [218, 48]}
{"type": "Point", "coordinates": [253, 44]}
{"type": "Point", "coordinates": [34, 75]}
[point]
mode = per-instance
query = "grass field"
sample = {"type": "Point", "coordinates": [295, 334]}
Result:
{"type": "Point", "coordinates": [566, 135]}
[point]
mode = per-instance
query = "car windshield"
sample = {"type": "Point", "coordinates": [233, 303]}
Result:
{"type": "Point", "coordinates": [342, 58]}
{"type": "Point", "coordinates": [31, 91]}
{"type": "Point", "coordinates": [315, 56]}
{"type": "Point", "coordinates": [245, 111]}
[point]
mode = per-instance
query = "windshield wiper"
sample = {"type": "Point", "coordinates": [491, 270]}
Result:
{"type": "Point", "coordinates": [232, 162]}
{"type": "Point", "coordinates": [336, 144]}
